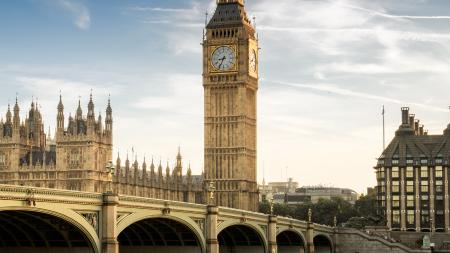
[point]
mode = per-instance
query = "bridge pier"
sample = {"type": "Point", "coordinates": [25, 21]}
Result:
{"type": "Point", "coordinates": [109, 220]}
{"type": "Point", "coordinates": [272, 234]}
{"type": "Point", "coordinates": [212, 244]}
{"type": "Point", "coordinates": [310, 237]}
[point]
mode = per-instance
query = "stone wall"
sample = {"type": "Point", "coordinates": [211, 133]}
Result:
{"type": "Point", "coordinates": [354, 241]}
{"type": "Point", "coordinates": [413, 239]}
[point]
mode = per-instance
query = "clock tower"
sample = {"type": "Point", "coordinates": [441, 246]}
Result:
{"type": "Point", "coordinates": [230, 81]}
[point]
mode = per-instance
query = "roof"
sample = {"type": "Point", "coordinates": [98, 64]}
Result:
{"type": "Point", "coordinates": [410, 147]}
{"type": "Point", "coordinates": [229, 15]}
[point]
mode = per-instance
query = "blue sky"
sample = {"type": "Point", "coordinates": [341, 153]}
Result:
{"type": "Point", "coordinates": [326, 67]}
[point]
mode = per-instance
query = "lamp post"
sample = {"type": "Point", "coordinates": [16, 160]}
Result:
{"type": "Point", "coordinates": [110, 170]}
{"type": "Point", "coordinates": [271, 205]}
{"type": "Point", "coordinates": [211, 190]}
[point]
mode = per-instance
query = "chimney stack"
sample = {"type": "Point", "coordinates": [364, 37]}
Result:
{"type": "Point", "coordinates": [421, 132]}
{"type": "Point", "coordinates": [416, 127]}
{"type": "Point", "coordinates": [405, 115]}
{"type": "Point", "coordinates": [411, 121]}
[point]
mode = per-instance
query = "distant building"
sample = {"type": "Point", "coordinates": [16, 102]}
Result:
{"type": "Point", "coordinates": [412, 175]}
{"type": "Point", "coordinates": [267, 191]}
{"type": "Point", "coordinates": [313, 194]}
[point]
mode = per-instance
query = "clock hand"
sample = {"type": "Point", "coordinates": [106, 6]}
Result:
{"type": "Point", "coordinates": [223, 59]}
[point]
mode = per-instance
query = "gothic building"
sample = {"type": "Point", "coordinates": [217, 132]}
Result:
{"type": "Point", "coordinates": [230, 81]}
{"type": "Point", "coordinates": [412, 175]}
{"type": "Point", "coordinates": [77, 157]}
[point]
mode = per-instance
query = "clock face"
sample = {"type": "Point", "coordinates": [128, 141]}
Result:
{"type": "Point", "coordinates": [252, 60]}
{"type": "Point", "coordinates": [223, 58]}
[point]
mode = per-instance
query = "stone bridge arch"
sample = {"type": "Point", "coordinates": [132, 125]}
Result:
{"type": "Point", "coordinates": [229, 227]}
{"type": "Point", "coordinates": [291, 240]}
{"type": "Point", "coordinates": [323, 243]}
{"type": "Point", "coordinates": [64, 214]}
{"type": "Point", "coordinates": [177, 221]}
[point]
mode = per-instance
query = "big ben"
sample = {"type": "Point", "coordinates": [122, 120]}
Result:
{"type": "Point", "coordinates": [230, 80]}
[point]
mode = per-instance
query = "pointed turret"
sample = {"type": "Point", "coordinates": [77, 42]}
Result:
{"type": "Point", "coordinates": [179, 166]}
{"type": "Point", "coordinates": [8, 114]}
{"type": "Point", "coordinates": [7, 126]}
{"type": "Point", "coordinates": [91, 116]}
{"type": "Point", "coordinates": [127, 169]}
{"type": "Point", "coordinates": [136, 170]}
{"type": "Point", "coordinates": [160, 171]}
{"type": "Point", "coordinates": [109, 120]}
{"type": "Point", "coordinates": [118, 167]}
{"type": "Point", "coordinates": [16, 121]}
{"type": "Point", "coordinates": [144, 172]}
{"type": "Point", "coordinates": [79, 114]}
{"type": "Point", "coordinates": [152, 172]}
{"type": "Point", "coordinates": [167, 173]}
{"type": "Point", "coordinates": [99, 124]}
{"type": "Point", "coordinates": [60, 118]}
{"type": "Point", "coordinates": [91, 107]}
{"type": "Point", "coordinates": [189, 171]}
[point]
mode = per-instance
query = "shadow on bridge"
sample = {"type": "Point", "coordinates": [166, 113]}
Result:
{"type": "Point", "coordinates": [240, 239]}
{"type": "Point", "coordinates": [34, 232]}
{"type": "Point", "coordinates": [290, 242]}
{"type": "Point", "coordinates": [158, 235]}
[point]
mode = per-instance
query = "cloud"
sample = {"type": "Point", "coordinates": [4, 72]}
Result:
{"type": "Point", "coordinates": [158, 9]}
{"type": "Point", "coordinates": [79, 11]}
{"type": "Point", "coordinates": [387, 15]}
{"type": "Point", "coordinates": [179, 89]}
{"type": "Point", "coordinates": [333, 89]}
{"type": "Point", "coordinates": [50, 87]}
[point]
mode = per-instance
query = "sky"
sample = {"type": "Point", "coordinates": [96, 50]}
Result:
{"type": "Point", "coordinates": [326, 69]}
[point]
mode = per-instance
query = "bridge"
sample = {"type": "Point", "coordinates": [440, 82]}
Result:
{"type": "Point", "coordinates": [36, 220]}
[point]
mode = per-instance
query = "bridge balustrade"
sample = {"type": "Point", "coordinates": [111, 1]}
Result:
{"type": "Point", "coordinates": [48, 220]}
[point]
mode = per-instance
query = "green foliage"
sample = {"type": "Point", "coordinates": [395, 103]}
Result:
{"type": "Point", "coordinates": [362, 213]}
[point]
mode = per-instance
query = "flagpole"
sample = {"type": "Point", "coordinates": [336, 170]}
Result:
{"type": "Point", "coordinates": [384, 130]}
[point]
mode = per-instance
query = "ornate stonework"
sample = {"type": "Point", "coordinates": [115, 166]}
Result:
{"type": "Point", "coordinates": [77, 158]}
{"type": "Point", "coordinates": [230, 80]}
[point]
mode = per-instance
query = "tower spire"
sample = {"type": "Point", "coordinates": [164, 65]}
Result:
{"type": "Point", "coordinates": [91, 113]}
{"type": "Point", "coordinates": [241, 2]}
{"type": "Point", "coordinates": [79, 110]}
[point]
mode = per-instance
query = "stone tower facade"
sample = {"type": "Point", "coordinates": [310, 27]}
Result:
{"type": "Point", "coordinates": [84, 147]}
{"type": "Point", "coordinates": [78, 156]}
{"type": "Point", "coordinates": [230, 80]}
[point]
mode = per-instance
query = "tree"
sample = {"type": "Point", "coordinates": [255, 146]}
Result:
{"type": "Point", "coordinates": [362, 213]}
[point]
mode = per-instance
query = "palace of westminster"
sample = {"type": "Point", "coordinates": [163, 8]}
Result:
{"type": "Point", "coordinates": [412, 172]}
{"type": "Point", "coordinates": [77, 157]}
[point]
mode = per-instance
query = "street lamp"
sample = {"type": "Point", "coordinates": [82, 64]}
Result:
{"type": "Point", "coordinates": [111, 171]}
{"type": "Point", "coordinates": [212, 190]}
{"type": "Point", "coordinates": [271, 205]}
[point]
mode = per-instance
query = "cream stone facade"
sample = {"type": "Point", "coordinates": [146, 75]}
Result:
{"type": "Point", "coordinates": [230, 80]}
{"type": "Point", "coordinates": [77, 158]}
